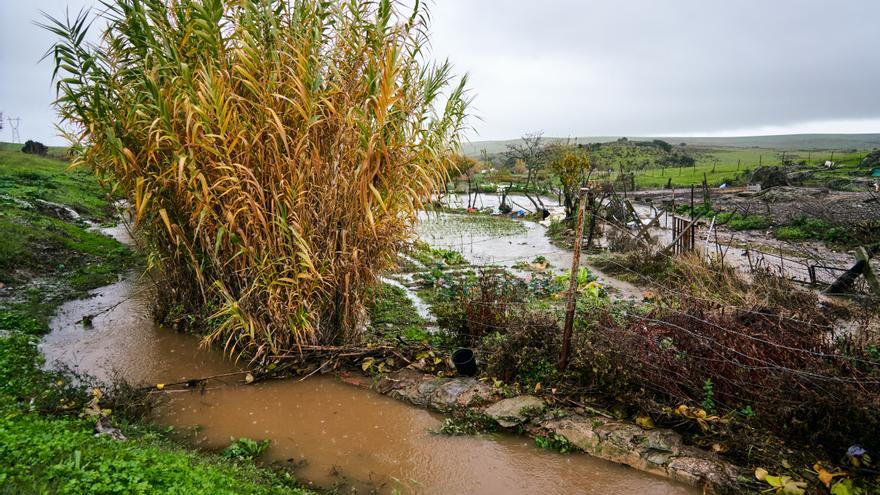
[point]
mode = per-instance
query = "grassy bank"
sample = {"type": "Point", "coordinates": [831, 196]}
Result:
{"type": "Point", "coordinates": [48, 256]}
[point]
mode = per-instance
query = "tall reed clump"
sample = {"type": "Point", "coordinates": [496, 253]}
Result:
{"type": "Point", "coordinates": [275, 152]}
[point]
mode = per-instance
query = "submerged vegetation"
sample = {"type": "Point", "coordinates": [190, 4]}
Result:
{"type": "Point", "coordinates": [275, 153]}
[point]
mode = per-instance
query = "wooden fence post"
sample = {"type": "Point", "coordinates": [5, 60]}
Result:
{"type": "Point", "coordinates": [573, 282]}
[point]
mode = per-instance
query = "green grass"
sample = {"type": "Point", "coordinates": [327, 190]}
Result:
{"type": "Point", "coordinates": [392, 315]}
{"type": "Point", "coordinates": [67, 258]}
{"type": "Point", "coordinates": [787, 142]}
{"type": "Point", "coordinates": [50, 453]}
{"type": "Point", "coordinates": [42, 454]}
{"type": "Point", "coordinates": [733, 220]}
{"type": "Point", "coordinates": [733, 166]}
{"type": "Point", "coordinates": [809, 228]}
{"type": "Point", "coordinates": [31, 177]}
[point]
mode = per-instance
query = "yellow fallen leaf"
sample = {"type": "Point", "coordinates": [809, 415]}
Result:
{"type": "Point", "coordinates": [825, 476]}
{"type": "Point", "coordinates": [645, 422]}
{"type": "Point", "coordinates": [160, 386]}
{"type": "Point", "coordinates": [761, 473]}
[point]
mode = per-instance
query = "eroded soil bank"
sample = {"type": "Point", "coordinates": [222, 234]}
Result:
{"type": "Point", "coordinates": [330, 433]}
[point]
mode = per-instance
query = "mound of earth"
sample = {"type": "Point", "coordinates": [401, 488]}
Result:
{"type": "Point", "coordinates": [769, 177]}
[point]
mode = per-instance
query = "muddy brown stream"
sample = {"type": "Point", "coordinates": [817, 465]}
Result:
{"type": "Point", "coordinates": [332, 433]}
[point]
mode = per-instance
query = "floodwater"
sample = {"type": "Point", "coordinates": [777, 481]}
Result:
{"type": "Point", "coordinates": [507, 249]}
{"type": "Point", "coordinates": [493, 201]}
{"type": "Point", "coordinates": [367, 441]}
{"type": "Point", "coordinates": [123, 343]}
{"type": "Point", "coordinates": [331, 434]}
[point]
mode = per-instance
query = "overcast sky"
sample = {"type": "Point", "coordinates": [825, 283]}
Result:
{"type": "Point", "coordinates": [600, 67]}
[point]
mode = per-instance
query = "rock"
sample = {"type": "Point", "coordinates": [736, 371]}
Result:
{"type": "Point", "coordinates": [655, 451]}
{"type": "Point", "coordinates": [699, 470]}
{"type": "Point", "coordinates": [103, 427]}
{"type": "Point", "coordinates": [424, 390]}
{"type": "Point", "coordinates": [446, 395]}
{"type": "Point", "coordinates": [514, 411]}
{"type": "Point", "coordinates": [478, 393]}
{"type": "Point", "coordinates": [62, 212]}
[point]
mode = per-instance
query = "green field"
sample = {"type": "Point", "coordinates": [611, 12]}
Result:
{"type": "Point", "coordinates": [734, 165]}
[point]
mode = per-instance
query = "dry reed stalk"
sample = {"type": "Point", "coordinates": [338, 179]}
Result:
{"type": "Point", "coordinates": [275, 152]}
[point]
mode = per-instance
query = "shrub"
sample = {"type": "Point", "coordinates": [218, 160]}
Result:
{"type": "Point", "coordinates": [713, 339]}
{"type": "Point", "coordinates": [35, 148]}
{"type": "Point", "coordinates": [525, 351]}
{"type": "Point", "coordinates": [748, 222]}
{"type": "Point", "coordinates": [275, 153]}
{"type": "Point", "coordinates": [803, 228]}
{"type": "Point", "coordinates": [796, 381]}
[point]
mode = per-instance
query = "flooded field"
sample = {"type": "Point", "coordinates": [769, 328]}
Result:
{"type": "Point", "coordinates": [505, 242]}
{"type": "Point", "coordinates": [330, 433]}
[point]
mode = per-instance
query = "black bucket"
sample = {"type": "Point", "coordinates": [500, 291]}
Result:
{"type": "Point", "coordinates": [464, 362]}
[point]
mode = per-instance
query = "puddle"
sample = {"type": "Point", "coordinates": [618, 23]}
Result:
{"type": "Point", "coordinates": [337, 435]}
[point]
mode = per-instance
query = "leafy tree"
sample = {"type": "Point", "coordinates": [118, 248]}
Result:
{"type": "Point", "coordinates": [570, 166]}
{"type": "Point", "coordinates": [662, 145]}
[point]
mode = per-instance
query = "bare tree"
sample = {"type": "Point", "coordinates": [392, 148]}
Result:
{"type": "Point", "coordinates": [532, 151]}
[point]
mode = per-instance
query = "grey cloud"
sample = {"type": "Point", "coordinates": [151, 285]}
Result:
{"type": "Point", "coordinates": [594, 67]}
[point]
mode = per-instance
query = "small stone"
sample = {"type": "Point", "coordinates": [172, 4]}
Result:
{"type": "Point", "coordinates": [511, 412]}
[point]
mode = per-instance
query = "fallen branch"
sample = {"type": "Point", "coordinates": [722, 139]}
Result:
{"type": "Point", "coordinates": [195, 381]}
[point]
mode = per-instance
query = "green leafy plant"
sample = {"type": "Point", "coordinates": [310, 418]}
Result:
{"type": "Point", "coordinates": [555, 442]}
{"type": "Point", "coordinates": [468, 422]}
{"type": "Point", "coordinates": [708, 396]}
{"type": "Point", "coordinates": [245, 449]}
